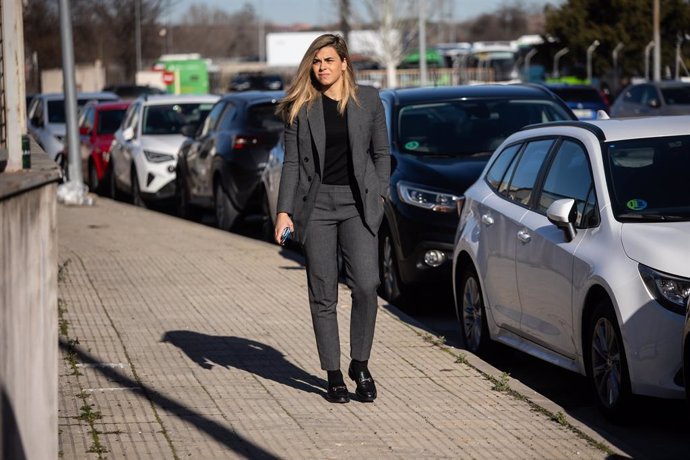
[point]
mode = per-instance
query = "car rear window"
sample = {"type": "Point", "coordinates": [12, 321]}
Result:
{"type": "Point", "coordinates": [470, 127]}
{"type": "Point", "coordinates": [56, 108]}
{"type": "Point", "coordinates": [578, 94]}
{"type": "Point", "coordinates": [109, 121]}
{"type": "Point", "coordinates": [679, 95]}
{"type": "Point", "coordinates": [263, 117]}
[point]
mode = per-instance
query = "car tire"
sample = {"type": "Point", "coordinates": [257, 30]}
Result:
{"type": "Point", "coordinates": [226, 213]}
{"type": "Point", "coordinates": [182, 206]}
{"type": "Point", "coordinates": [391, 287]}
{"type": "Point", "coordinates": [137, 200]}
{"type": "Point", "coordinates": [112, 190]}
{"type": "Point", "coordinates": [471, 312]}
{"type": "Point", "coordinates": [605, 362]}
{"type": "Point", "coordinates": [94, 183]}
{"type": "Point", "coordinates": [267, 226]}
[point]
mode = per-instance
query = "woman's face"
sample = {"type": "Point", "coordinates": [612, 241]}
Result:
{"type": "Point", "coordinates": [327, 66]}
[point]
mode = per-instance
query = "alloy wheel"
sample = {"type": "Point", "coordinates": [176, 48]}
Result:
{"type": "Point", "coordinates": [472, 314]}
{"type": "Point", "coordinates": [606, 362]}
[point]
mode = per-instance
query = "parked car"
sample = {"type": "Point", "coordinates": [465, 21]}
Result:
{"type": "Point", "coordinates": [131, 92]}
{"type": "Point", "coordinates": [652, 98]}
{"type": "Point", "coordinates": [97, 125]}
{"type": "Point", "coordinates": [441, 139]}
{"type": "Point", "coordinates": [143, 156]}
{"type": "Point", "coordinates": [270, 181]}
{"type": "Point", "coordinates": [256, 81]}
{"type": "Point", "coordinates": [220, 168]}
{"type": "Point", "coordinates": [46, 119]}
{"type": "Point", "coordinates": [573, 247]}
{"type": "Point", "coordinates": [584, 100]}
{"type": "Point", "coordinates": [686, 354]}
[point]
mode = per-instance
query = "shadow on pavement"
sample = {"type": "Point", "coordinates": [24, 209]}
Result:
{"type": "Point", "coordinates": [220, 433]}
{"type": "Point", "coordinates": [248, 355]}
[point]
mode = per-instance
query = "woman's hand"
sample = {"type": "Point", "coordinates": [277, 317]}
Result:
{"type": "Point", "coordinates": [282, 221]}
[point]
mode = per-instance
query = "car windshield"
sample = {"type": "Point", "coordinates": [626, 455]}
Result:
{"type": "Point", "coordinates": [469, 127]}
{"type": "Point", "coordinates": [170, 118]}
{"type": "Point", "coordinates": [677, 95]}
{"type": "Point", "coordinates": [647, 178]}
{"type": "Point", "coordinates": [578, 94]}
{"type": "Point", "coordinates": [109, 121]}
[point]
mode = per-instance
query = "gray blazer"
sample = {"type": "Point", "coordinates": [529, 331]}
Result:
{"type": "Point", "coordinates": [305, 147]}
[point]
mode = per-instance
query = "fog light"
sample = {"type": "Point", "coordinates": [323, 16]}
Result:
{"type": "Point", "coordinates": [171, 168]}
{"type": "Point", "coordinates": [434, 257]}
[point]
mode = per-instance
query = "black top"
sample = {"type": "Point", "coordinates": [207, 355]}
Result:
{"type": "Point", "coordinates": [337, 168]}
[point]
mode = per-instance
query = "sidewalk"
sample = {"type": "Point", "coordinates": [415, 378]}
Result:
{"type": "Point", "coordinates": [182, 341]}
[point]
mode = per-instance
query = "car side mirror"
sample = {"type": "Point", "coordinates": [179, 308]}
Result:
{"type": "Point", "coordinates": [128, 133]}
{"type": "Point", "coordinates": [654, 103]}
{"type": "Point", "coordinates": [189, 130]}
{"type": "Point", "coordinates": [560, 213]}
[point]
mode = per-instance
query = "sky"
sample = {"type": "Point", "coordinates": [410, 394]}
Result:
{"type": "Point", "coordinates": [317, 12]}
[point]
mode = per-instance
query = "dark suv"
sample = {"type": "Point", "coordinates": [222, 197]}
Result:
{"type": "Point", "coordinates": [219, 166]}
{"type": "Point", "coordinates": [441, 139]}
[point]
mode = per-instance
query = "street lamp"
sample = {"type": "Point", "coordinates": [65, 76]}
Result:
{"type": "Point", "coordinates": [528, 58]}
{"type": "Point", "coordinates": [556, 58]}
{"type": "Point", "coordinates": [590, 50]}
{"type": "Point", "coordinates": [647, 49]}
{"type": "Point", "coordinates": [616, 71]}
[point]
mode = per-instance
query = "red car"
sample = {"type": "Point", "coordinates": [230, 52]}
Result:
{"type": "Point", "coordinates": [97, 125]}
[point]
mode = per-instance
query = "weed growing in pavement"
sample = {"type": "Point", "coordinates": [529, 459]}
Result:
{"type": "Point", "coordinates": [62, 321]}
{"type": "Point", "coordinates": [559, 418]}
{"type": "Point", "coordinates": [461, 359]}
{"type": "Point", "coordinates": [88, 414]}
{"type": "Point", "coordinates": [62, 271]}
{"type": "Point", "coordinates": [72, 356]}
{"type": "Point", "coordinates": [432, 339]}
{"type": "Point", "coordinates": [501, 384]}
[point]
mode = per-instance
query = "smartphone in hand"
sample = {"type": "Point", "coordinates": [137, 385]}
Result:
{"type": "Point", "coordinates": [285, 235]}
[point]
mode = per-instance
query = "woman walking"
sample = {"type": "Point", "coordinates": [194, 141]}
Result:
{"type": "Point", "coordinates": [335, 175]}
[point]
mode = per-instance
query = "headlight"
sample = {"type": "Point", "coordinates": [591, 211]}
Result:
{"type": "Point", "coordinates": [155, 157]}
{"type": "Point", "coordinates": [427, 199]}
{"type": "Point", "coordinates": [670, 291]}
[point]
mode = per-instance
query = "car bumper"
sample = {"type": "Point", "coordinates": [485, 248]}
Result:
{"type": "Point", "coordinates": [167, 192]}
{"type": "Point", "coordinates": [157, 179]}
{"type": "Point", "coordinates": [418, 233]}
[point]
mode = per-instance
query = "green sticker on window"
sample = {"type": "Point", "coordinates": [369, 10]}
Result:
{"type": "Point", "coordinates": [412, 145]}
{"type": "Point", "coordinates": [636, 204]}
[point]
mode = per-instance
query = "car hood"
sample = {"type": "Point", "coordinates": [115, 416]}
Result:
{"type": "Point", "coordinates": [168, 143]}
{"type": "Point", "coordinates": [57, 129]}
{"type": "Point", "coordinates": [661, 246]}
{"type": "Point", "coordinates": [453, 174]}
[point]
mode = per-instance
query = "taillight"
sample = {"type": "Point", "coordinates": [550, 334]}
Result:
{"type": "Point", "coordinates": [242, 142]}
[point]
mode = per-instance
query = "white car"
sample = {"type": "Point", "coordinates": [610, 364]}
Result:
{"type": "Point", "coordinates": [143, 156]}
{"type": "Point", "coordinates": [46, 119]}
{"type": "Point", "coordinates": [574, 246]}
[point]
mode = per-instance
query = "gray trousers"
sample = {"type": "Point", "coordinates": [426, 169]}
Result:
{"type": "Point", "coordinates": [335, 221]}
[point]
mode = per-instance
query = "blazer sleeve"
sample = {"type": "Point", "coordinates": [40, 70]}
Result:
{"type": "Point", "coordinates": [380, 147]}
{"type": "Point", "coordinates": [290, 172]}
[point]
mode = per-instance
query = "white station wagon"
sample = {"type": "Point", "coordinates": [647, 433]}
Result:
{"type": "Point", "coordinates": [574, 246]}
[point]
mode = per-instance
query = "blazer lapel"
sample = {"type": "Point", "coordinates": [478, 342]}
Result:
{"type": "Point", "coordinates": [354, 133]}
{"type": "Point", "coordinates": [317, 126]}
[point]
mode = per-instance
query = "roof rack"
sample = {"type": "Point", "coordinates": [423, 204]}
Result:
{"type": "Point", "coordinates": [597, 131]}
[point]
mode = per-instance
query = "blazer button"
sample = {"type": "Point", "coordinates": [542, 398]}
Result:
{"type": "Point", "coordinates": [366, 190]}
{"type": "Point", "coordinates": [308, 178]}
{"type": "Point", "coordinates": [304, 198]}
{"type": "Point", "coordinates": [306, 159]}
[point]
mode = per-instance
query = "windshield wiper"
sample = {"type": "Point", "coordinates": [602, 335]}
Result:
{"type": "Point", "coordinates": [652, 217]}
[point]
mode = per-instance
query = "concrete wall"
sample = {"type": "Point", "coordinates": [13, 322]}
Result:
{"type": "Point", "coordinates": [88, 77]}
{"type": "Point", "coordinates": [28, 312]}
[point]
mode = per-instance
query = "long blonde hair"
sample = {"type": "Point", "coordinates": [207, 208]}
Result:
{"type": "Point", "coordinates": [305, 88]}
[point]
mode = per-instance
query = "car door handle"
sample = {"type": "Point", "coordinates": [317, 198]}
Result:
{"type": "Point", "coordinates": [487, 219]}
{"type": "Point", "coordinates": [524, 236]}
